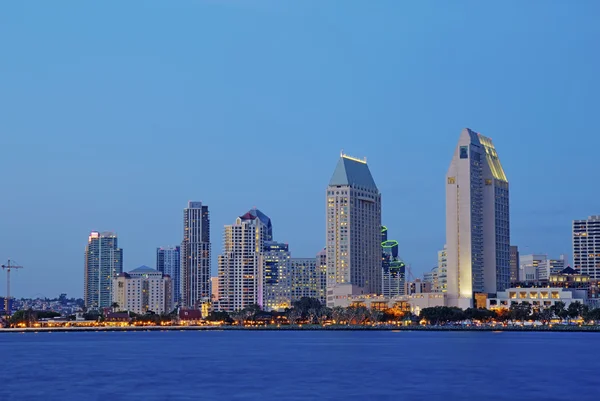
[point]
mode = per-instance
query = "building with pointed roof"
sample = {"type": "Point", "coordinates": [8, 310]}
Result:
{"type": "Point", "coordinates": [353, 234]}
{"type": "Point", "coordinates": [477, 221]}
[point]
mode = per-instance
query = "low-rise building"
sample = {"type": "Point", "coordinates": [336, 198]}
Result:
{"type": "Point", "coordinates": [537, 297]}
{"type": "Point", "coordinates": [143, 290]}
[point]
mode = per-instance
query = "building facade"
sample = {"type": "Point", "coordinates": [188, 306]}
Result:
{"type": "Point", "coordinates": [537, 297]}
{"type": "Point", "coordinates": [477, 221]}
{"type": "Point", "coordinates": [322, 276]}
{"type": "Point", "coordinates": [528, 266]}
{"type": "Point", "coordinates": [586, 246]}
{"type": "Point", "coordinates": [241, 280]}
{"type": "Point", "coordinates": [353, 229]}
{"type": "Point", "coordinates": [442, 281]}
{"type": "Point", "coordinates": [277, 279]}
{"type": "Point", "coordinates": [103, 262]}
{"type": "Point", "coordinates": [393, 270]}
{"type": "Point", "coordinates": [195, 256]}
{"type": "Point", "coordinates": [168, 261]}
{"type": "Point", "coordinates": [143, 290]}
{"type": "Point", "coordinates": [514, 264]}
{"type": "Point", "coordinates": [550, 267]}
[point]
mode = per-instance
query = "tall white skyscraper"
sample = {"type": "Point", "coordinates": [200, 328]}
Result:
{"type": "Point", "coordinates": [586, 246]}
{"type": "Point", "coordinates": [195, 256]}
{"type": "Point", "coordinates": [241, 272]}
{"type": "Point", "coordinates": [103, 262]}
{"type": "Point", "coordinates": [477, 221]}
{"type": "Point", "coordinates": [353, 230]}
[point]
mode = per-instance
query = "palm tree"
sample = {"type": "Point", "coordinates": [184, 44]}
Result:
{"type": "Point", "coordinates": [114, 306]}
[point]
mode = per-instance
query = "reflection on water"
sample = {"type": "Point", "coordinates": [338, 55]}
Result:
{"type": "Point", "coordinates": [292, 365]}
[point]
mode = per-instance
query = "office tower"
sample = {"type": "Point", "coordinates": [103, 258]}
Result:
{"type": "Point", "coordinates": [214, 288]}
{"type": "Point", "coordinates": [586, 246]}
{"type": "Point", "coordinates": [353, 230]}
{"type": "Point", "coordinates": [528, 266]}
{"type": "Point", "coordinates": [168, 261]}
{"type": "Point", "coordinates": [195, 256]}
{"type": "Point", "coordinates": [103, 262]}
{"type": "Point", "coordinates": [393, 270]}
{"type": "Point", "coordinates": [477, 221]}
{"type": "Point", "coordinates": [322, 276]}
{"type": "Point", "coordinates": [143, 290]}
{"type": "Point", "coordinates": [514, 264]}
{"type": "Point", "coordinates": [276, 276]}
{"type": "Point", "coordinates": [551, 267]}
{"type": "Point", "coordinates": [241, 262]}
{"type": "Point", "coordinates": [442, 274]}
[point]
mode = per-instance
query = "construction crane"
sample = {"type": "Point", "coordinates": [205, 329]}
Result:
{"type": "Point", "coordinates": [8, 267]}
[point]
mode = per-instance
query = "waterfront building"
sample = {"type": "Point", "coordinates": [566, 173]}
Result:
{"type": "Point", "coordinates": [442, 277]}
{"type": "Point", "coordinates": [537, 297]}
{"type": "Point", "coordinates": [353, 230]}
{"type": "Point", "coordinates": [586, 246]}
{"type": "Point", "coordinates": [514, 264]}
{"type": "Point", "coordinates": [309, 277]}
{"type": "Point", "coordinates": [168, 261]}
{"type": "Point", "coordinates": [241, 280]}
{"type": "Point", "coordinates": [277, 284]}
{"type": "Point", "coordinates": [195, 256]}
{"type": "Point", "coordinates": [103, 262]}
{"type": "Point", "coordinates": [528, 266]}
{"type": "Point", "coordinates": [143, 290]}
{"type": "Point", "coordinates": [322, 276]}
{"type": "Point", "coordinates": [477, 221]}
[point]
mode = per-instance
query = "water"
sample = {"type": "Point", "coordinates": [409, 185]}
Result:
{"type": "Point", "coordinates": [299, 365]}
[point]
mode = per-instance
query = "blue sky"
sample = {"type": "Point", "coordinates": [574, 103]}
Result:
{"type": "Point", "coordinates": [115, 114]}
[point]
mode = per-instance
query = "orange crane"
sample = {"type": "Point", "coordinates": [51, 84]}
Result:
{"type": "Point", "coordinates": [8, 267]}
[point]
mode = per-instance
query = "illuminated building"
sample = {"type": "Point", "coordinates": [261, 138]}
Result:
{"type": "Point", "coordinates": [393, 269]}
{"type": "Point", "coordinates": [276, 276]}
{"type": "Point", "coordinates": [551, 267]}
{"type": "Point", "coordinates": [241, 279]}
{"type": "Point", "coordinates": [528, 266]}
{"type": "Point", "coordinates": [514, 264]}
{"type": "Point", "coordinates": [309, 277]}
{"type": "Point", "coordinates": [103, 262]}
{"type": "Point", "coordinates": [143, 290]}
{"type": "Point", "coordinates": [537, 297]}
{"type": "Point", "coordinates": [195, 256]}
{"type": "Point", "coordinates": [214, 288]}
{"type": "Point", "coordinates": [586, 246]}
{"type": "Point", "coordinates": [477, 221]}
{"type": "Point", "coordinates": [353, 230]}
{"type": "Point", "coordinates": [168, 261]}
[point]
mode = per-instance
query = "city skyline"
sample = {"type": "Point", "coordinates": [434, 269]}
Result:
{"type": "Point", "coordinates": [122, 107]}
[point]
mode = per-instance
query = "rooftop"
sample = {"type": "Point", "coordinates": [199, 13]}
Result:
{"type": "Point", "coordinates": [354, 172]}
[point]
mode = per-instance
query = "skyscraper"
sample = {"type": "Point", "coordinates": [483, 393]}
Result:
{"type": "Point", "coordinates": [477, 221]}
{"type": "Point", "coordinates": [586, 246]}
{"type": "Point", "coordinates": [514, 264]}
{"type": "Point", "coordinates": [168, 261]}
{"type": "Point", "coordinates": [276, 276]}
{"type": "Point", "coordinates": [103, 262]}
{"type": "Point", "coordinates": [353, 230]}
{"type": "Point", "coordinates": [241, 280]}
{"type": "Point", "coordinates": [195, 256]}
{"type": "Point", "coordinates": [393, 270]}
{"type": "Point", "coordinates": [442, 278]}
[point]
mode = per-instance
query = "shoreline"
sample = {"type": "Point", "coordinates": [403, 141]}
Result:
{"type": "Point", "coordinates": [562, 329]}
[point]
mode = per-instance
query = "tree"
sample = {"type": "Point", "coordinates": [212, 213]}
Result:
{"type": "Point", "coordinates": [305, 304]}
{"type": "Point", "coordinates": [114, 306]}
{"type": "Point", "coordinates": [324, 314]}
{"type": "Point", "coordinates": [338, 314]}
{"type": "Point", "coordinates": [574, 310]}
{"type": "Point", "coordinates": [238, 316]}
{"type": "Point", "coordinates": [520, 311]}
{"type": "Point", "coordinates": [313, 314]}
{"type": "Point", "coordinates": [559, 310]}
{"type": "Point", "coordinates": [219, 316]}
{"type": "Point", "coordinates": [294, 315]}
{"type": "Point", "coordinates": [375, 315]}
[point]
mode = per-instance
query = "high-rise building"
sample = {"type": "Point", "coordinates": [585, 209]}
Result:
{"type": "Point", "coordinates": [214, 288]}
{"type": "Point", "coordinates": [322, 276]}
{"type": "Point", "coordinates": [477, 221]}
{"type": "Point", "coordinates": [353, 230]}
{"type": "Point", "coordinates": [586, 246]}
{"type": "Point", "coordinates": [276, 276]}
{"type": "Point", "coordinates": [143, 290]}
{"type": "Point", "coordinates": [168, 261]}
{"type": "Point", "coordinates": [393, 269]}
{"type": "Point", "coordinates": [514, 264]}
{"type": "Point", "coordinates": [241, 280]}
{"type": "Point", "coordinates": [195, 256]}
{"type": "Point", "coordinates": [305, 281]}
{"type": "Point", "coordinates": [442, 271]}
{"type": "Point", "coordinates": [103, 262]}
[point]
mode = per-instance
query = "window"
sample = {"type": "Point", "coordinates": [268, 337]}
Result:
{"type": "Point", "coordinates": [488, 181]}
{"type": "Point", "coordinates": [451, 180]}
{"type": "Point", "coordinates": [464, 152]}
